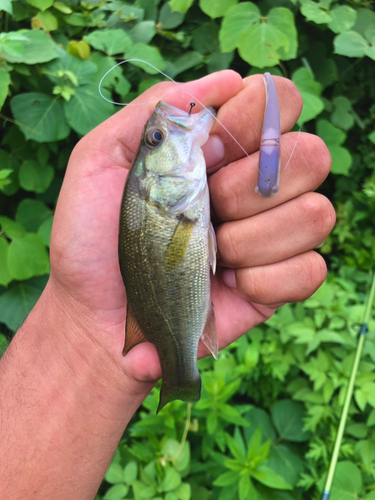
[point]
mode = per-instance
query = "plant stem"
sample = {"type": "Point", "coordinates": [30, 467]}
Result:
{"type": "Point", "coordinates": [184, 436]}
{"type": "Point", "coordinates": [349, 393]}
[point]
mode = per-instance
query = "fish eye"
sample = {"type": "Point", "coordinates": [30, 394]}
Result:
{"type": "Point", "coordinates": [154, 137]}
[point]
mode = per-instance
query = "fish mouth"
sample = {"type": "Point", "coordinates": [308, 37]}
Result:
{"type": "Point", "coordinates": [201, 123]}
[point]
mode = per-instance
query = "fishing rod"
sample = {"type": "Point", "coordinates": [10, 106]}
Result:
{"type": "Point", "coordinates": [349, 393]}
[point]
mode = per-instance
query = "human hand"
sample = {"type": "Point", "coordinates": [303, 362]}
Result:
{"type": "Point", "coordinates": [264, 246]}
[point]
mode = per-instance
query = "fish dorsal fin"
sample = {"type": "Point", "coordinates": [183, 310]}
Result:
{"type": "Point", "coordinates": [133, 333]}
{"type": "Point", "coordinates": [179, 243]}
{"type": "Point", "coordinates": [209, 335]}
{"type": "Point", "coordinates": [212, 247]}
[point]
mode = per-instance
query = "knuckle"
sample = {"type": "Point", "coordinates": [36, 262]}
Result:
{"type": "Point", "coordinates": [321, 215]}
{"type": "Point", "coordinates": [227, 245]}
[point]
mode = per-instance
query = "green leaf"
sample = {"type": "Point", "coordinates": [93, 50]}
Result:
{"type": "Point", "coordinates": [342, 116]}
{"type": "Point", "coordinates": [181, 6]}
{"type": "Point", "coordinates": [205, 38]}
{"type": "Point", "coordinates": [218, 8]}
{"type": "Point", "coordinates": [35, 177]}
{"type": "Point", "coordinates": [37, 47]}
{"type": "Point", "coordinates": [130, 472]}
{"type": "Point", "coordinates": [49, 21]}
{"type": "Point", "coordinates": [16, 303]}
{"type": "Point", "coordinates": [183, 492]}
{"type": "Point", "coordinates": [314, 12]}
{"type": "Point", "coordinates": [219, 61]}
{"type": "Point", "coordinates": [235, 449]}
{"type": "Point", "coordinates": [310, 91]}
{"type": "Point", "coordinates": [60, 6]}
{"type": "Point", "coordinates": [350, 44]}
{"type": "Point", "coordinates": [343, 18]}
{"type": "Point", "coordinates": [347, 482]}
{"type": "Point", "coordinates": [87, 109]}
{"type": "Point", "coordinates": [170, 19]}
{"type": "Point", "coordinates": [40, 117]}
{"type": "Point", "coordinates": [117, 492]}
{"type": "Point", "coordinates": [6, 5]}
{"type": "Point", "coordinates": [143, 32]}
{"type": "Point", "coordinates": [235, 22]}
{"type": "Point", "coordinates": [11, 228]}
{"type": "Point", "coordinates": [5, 277]}
{"type": "Point", "coordinates": [45, 229]}
{"type": "Point", "coordinates": [259, 418]}
{"type": "Point", "coordinates": [32, 213]}
{"type": "Point", "coordinates": [288, 418]}
{"type": "Point", "coordinates": [171, 481]}
{"type": "Point", "coordinates": [27, 257]}
{"type": "Point", "coordinates": [41, 4]}
{"type": "Point", "coordinates": [149, 55]}
{"type": "Point", "coordinates": [115, 474]}
{"type": "Point", "coordinates": [333, 137]}
{"type": "Point", "coordinates": [286, 463]}
{"type": "Point", "coordinates": [226, 479]}
{"type": "Point", "coordinates": [60, 70]}
{"type": "Point", "coordinates": [185, 62]}
{"type": "Point", "coordinates": [245, 488]}
{"type": "Point", "coordinates": [4, 85]}
{"type": "Point", "coordinates": [269, 478]}
{"type": "Point", "coordinates": [109, 41]}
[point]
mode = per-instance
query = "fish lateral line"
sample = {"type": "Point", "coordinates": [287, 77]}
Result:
{"type": "Point", "coordinates": [265, 173]}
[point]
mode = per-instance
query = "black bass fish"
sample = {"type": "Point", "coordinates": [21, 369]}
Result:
{"type": "Point", "coordinates": [166, 246]}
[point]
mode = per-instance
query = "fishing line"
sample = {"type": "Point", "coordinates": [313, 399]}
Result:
{"type": "Point", "coordinates": [192, 104]}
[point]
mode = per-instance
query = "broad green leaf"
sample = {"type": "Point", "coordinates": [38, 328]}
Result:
{"type": "Point", "coordinates": [16, 303]}
{"type": "Point", "coordinates": [330, 134]}
{"type": "Point", "coordinates": [109, 41]}
{"type": "Point", "coordinates": [60, 70]}
{"type": "Point", "coordinates": [286, 463]}
{"type": "Point", "coordinates": [185, 62]}
{"type": "Point", "coordinates": [341, 160]}
{"type": "Point", "coordinates": [6, 5]}
{"type": "Point", "coordinates": [226, 479]}
{"type": "Point", "coordinates": [205, 38]}
{"type": "Point", "coordinates": [183, 492]}
{"type": "Point", "coordinates": [268, 477]}
{"type": "Point", "coordinates": [27, 257]}
{"type": "Point", "coordinates": [114, 79]}
{"type": "Point", "coordinates": [334, 137]}
{"type": "Point", "coordinates": [310, 91]}
{"type": "Point", "coordinates": [40, 117]}
{"type": "Point", "coordinates": [347, 482]}
{"type": "Point", "coordinates": [35, 177]}
{"type": "Point", "coordinates": [313, 12]}
{"type": "Point", "coordinates": [283, 20]}
{"type": "Point", "coordinates": [365, 21]}
{"type": "Point", "coordinates": [76, 19]}
{"type": "Point", "coordinates": [148, 54]}
{"type": "Point", "coordinates": [60, 6]}
{"type": "Point", "coordinates": [11, 228]}
{"type": "Point", "coordinates": [117, 492]}
{"type": "Point", "coordinates": [171, 481]}
{"type": "Point", "coordinates": [4, 85]}
{"type": "Point", "coordinates": [342, 116]}
{"type": "Point", "coordinates": [5, 276]}
{"type": "Point", "coordinates": [87, 109]}
{"type": "Point", "coordinates": [181, 6]}
{"type": "Point", "coordinates": [235, 22]}
{"type": "Point", "coordinates": [218, 8]}
{"type": "Point", "coordinates": [41, 4]}
{"type": "Point", "coordinates": [49, 21]}
{"type": "Point", "coordinates": [245, 488]}
{"type": "Point", "coordinates": [288, 418]}
{"type": "Point", "coordinates": [130, 472]}
{"type": "Point", "coordinates": [45, 229]}
{"type": "Point", "coordinates": [37, 47]}
{"type": "Point", "coordinates": [143, 32]}
{"type": "Point", "coordinates": [170, 19]}
{"type": "Point", "coordinates": [219, 61]}
{"type": "Point", "coordinates": [32, 213]}
{"type": "Point", "coordinates": [259, 418]}
{"type": "Point", "coordinates": [343, 18]}
{"type": "Point", "coordinates": [115, 474]}
{"type": "Point", "coordinates": [350, 44]}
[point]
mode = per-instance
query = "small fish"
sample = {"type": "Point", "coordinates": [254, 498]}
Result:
{"type": "Point", "coordinates": [269, 155]}
{"type": "Point", "coordinates": [166, 247]}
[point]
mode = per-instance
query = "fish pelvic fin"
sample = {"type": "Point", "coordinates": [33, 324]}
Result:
{"type": "Point", "coordinates": [133, 332]}
{"type": "Point", "coordinates": [212, 247]}
{"type": "Point", "coordinates": [190, 392]}
{"type": "Point", "coordinates": [209, 335]}
{"type": "Point", "coordinates": [179, 243]}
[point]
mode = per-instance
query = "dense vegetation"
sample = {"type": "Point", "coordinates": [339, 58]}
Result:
{"type": "Point", "coordinates": [265, 426]}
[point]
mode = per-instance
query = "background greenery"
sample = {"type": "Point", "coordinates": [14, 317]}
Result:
{"type": "Point", "coordinates": [265, 426]}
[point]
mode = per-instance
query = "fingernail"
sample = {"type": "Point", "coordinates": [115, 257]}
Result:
{"type": "Point", "coordinates": [213, 152]}
{"type": "Point", "coordinates": [229, 278]}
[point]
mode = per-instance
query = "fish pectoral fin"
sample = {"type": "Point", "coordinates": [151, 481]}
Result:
{"type": "Point", "coordinates": [212, 247]}
{"type": "Point", "coordinates": [179, 243]}
{"type": "Point", "coordinates": [133, 333]}
{"type": "Point", "coordinates": [209, 335]}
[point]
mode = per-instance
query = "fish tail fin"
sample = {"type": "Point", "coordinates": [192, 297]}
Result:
{"type": "Point", "coordinates": [189, 392]}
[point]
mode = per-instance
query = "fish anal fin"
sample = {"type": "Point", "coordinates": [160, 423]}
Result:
{"type": "Point", "coordinates": [179, 243]}
{"type": "Point", "coordinates": [133, 333]}
{"type": "Point", "coordinates": [209, 335]}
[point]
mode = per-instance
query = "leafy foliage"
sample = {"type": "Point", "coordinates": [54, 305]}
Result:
{"type": "Point", "coordinates": [265, 425]}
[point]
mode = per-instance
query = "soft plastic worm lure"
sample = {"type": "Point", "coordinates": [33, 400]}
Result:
{"type": "Point", "coordinates": [269, 155]}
